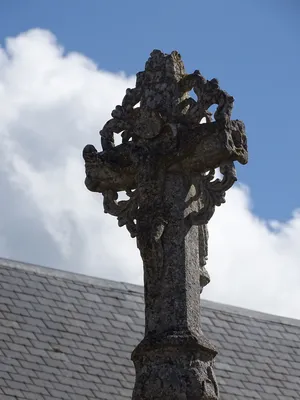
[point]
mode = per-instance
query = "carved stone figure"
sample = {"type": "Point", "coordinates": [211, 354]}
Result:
{"type": "Point", "coordinates": [166, 166]}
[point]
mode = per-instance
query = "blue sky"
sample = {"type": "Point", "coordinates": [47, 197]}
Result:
{"type": "Point", "coordinates": [53, 103]}
{"type": "Point", "coordinates": [252, 47]}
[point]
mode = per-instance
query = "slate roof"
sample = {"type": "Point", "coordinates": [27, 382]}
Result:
{"type": "Point", "coordinates": [69, 336]}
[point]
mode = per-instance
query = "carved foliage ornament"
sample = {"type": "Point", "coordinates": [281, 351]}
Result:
{"type": "Point", "coordinates": [213, 195]}
{"type": "Point", "coordinates": [161, 96]}
{"type": "Point", "coordinates": [161, 99]}
{"type": "Point", "coordinates": [214, 192]}
{"type": "Point", "coordinates": [124, 210]}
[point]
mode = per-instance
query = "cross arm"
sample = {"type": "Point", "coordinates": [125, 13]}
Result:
{"type": "Point", "coordinates": [205, 147]}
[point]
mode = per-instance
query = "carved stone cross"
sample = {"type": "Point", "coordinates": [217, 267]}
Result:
{"type": "Point", "coordinates": [166, 165]}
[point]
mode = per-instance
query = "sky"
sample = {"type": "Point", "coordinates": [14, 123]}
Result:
{"type": "Point", "coordinates": [65, 65]}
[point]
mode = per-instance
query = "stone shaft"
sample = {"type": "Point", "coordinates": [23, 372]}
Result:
{"type": "Point", "coordinates": [171, 261]}
{"type": "Point", "coordinates": [174, 361]}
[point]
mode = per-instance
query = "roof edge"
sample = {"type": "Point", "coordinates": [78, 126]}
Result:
{"type": "Point", "coordinates": [62, 274]}
{"type": "Point", "coordinates": [130, 287]}
{"type": "Point", "coordinates": [247, 312]}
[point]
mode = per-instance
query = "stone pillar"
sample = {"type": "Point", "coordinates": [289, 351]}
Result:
{"type": "Point", "coordinates": [166, 166]}
{"type": "Point", "coordinates": [174, 361]}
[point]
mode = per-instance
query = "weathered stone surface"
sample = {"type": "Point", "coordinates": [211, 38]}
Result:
{"type": "Point", "coordinates": [166, 166]}
{"type": "Point", "coordinates": [197, 150]}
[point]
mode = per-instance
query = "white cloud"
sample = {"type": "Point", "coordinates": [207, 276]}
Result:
{"type": "Point", "coordinates": [52, 105]}
{"type": "Point", "coordinates": [254, 263]}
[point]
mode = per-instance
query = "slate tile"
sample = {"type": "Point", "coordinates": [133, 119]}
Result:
{"type": "Point", "coordinates": [235, 333]}
{"type": "Point", "coordinates": [54, 326]}
{"type": "Point", "coordinates": [272, 389]}
{"type": "Point", "coordinates": [269, 396]}
{"type": "Point", "coordinates": [10, 324]}
{"type": "Point", "coordinates": [127, 348]}
{"type": "Point", "coordinates": [3, 307]}
{"type": "Point", "coordinates": [34, 285]}
{"type": "Point", "coordinates": [122, 359]}
{"type": "Point", "coordinates": [103, 327]}
{"type": "Point", "coordinates": [43, 308]}
{"type": "Point", "coordinates": [82, 394]}
{"type": "Point", "coordinates": [14, 393]}
{"type": "Point", "coordinates": [58, 282]}
{"type": "Point", "coordinates": [259, 380]}
{"type": "Point", "coordinates": [4, 338]}
{"type": "Point", "coordinates": [12, 317]}
{"type": "Point", "coordinates": [275, 334]}
{"type": "Point", "coordinates": [92, 297]}
{"type": "Point", "coordinates": [110, 345]}
{"type": "Point", "coordinates": [108, 388]}
{"type": "Point", "coordinates": [45, 302]}
{"type": "Point", "coordinates": [9, 294]}
{"type": "Point", "coordinates": [4, 374]}
{"type": "Point", "coordinates": [43, 383]}
{"type": "Point", "coordinates": [85, 310]}
{"type": "Point", "coordinates": [25, 371]}
{"type": "Point", "coordinates": [121, 325]}
{"type": "Point", "coordinates": [78, 360]}
{"type": "Point", "coordinates": [279, 369]}
{"type": "Point", "coordinates": [223, 366]}
{"type": "Point", "coordinates": [66, 304]}
{"type": "Point", "coordinates": [246, 356]}
{"type": "Point", "coordinates": [33, 359]}
{"type": "Point", "coordinates": [87, 381]}
{"type": "Point", "coordinates": [233, 390]}
{"type": "Point", "coordinates": [130, 341]}
{"type": "Point", "coordinates": [285, 349]}
{"type": "Point", "coordinates": [20, 341]}
{"type": "Point", "coordinates": [244, 363]}
{"type": "Point", "coordinates": [292, 337]}
{"type": "Point", "coordinates": [256, 387]}
{"type": "Point", "coordinates": [222, 324]}
{"type": "Point", "coordinates": [250, 393]}
{"type": "Point", "coordinates": [77, 316]}
{"type": "Point", "coordinates": [17, 347]}
{"type": "Point", "coordinates": [104, 395]}
{"type": "Point", "coordinates": [59, 394]}
{"type": "Point", "coordinates": [10, 354]}
{"type": "Point", "coordinates": [27, 298]}
{"type": "Point", "coordinates": [72, 293]}
{"type": "Point", "coordinates": [125, 311]}
{"type": "Point", "coordinates": [125, 392]}
{"type": "Point", "coordinates": [291, 393]}
{"type": "Point", "coordinates": [83, 353]}
{"type": "Point", "coordinates": [47, 377]}
{"type": "Point", "coordinates": [53, 333]}
{"type": "Point", "coordinates": [253, 343]}
{"type": "Point", "coordinates": [132, 305]}
{"type": "Point", "coordinates": [275, 326]}
{"type": "Point", "coordinates": [91, 340]}
{"type": "Point", "coordinates": [236, 346]}
{"type": "Point", "coordinates": [292, 328]}
{"type": "Point", "coordinates": [95, 331]}
{"type": "Point", "coordinates": [6, 330]}
{"type": "Point", "coordinates": [81, 346]}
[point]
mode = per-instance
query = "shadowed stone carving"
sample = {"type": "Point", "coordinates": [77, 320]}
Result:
{"type": "Point", "coordinates": [166, 164]}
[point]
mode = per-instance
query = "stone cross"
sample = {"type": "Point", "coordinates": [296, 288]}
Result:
{"type": "Point", "coordinates": [166, 165]}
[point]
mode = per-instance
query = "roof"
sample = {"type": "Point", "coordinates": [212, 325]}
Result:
{"type": "Point", "coordinates": [69, 336]}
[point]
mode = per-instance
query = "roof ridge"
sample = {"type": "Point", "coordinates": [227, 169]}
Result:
{"type": "Point", "coordinates": [138, 289]}
{"type": "Point", "coordinates": [74, 276]}
{"type": "Point", "coordinates": [247, 312]}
